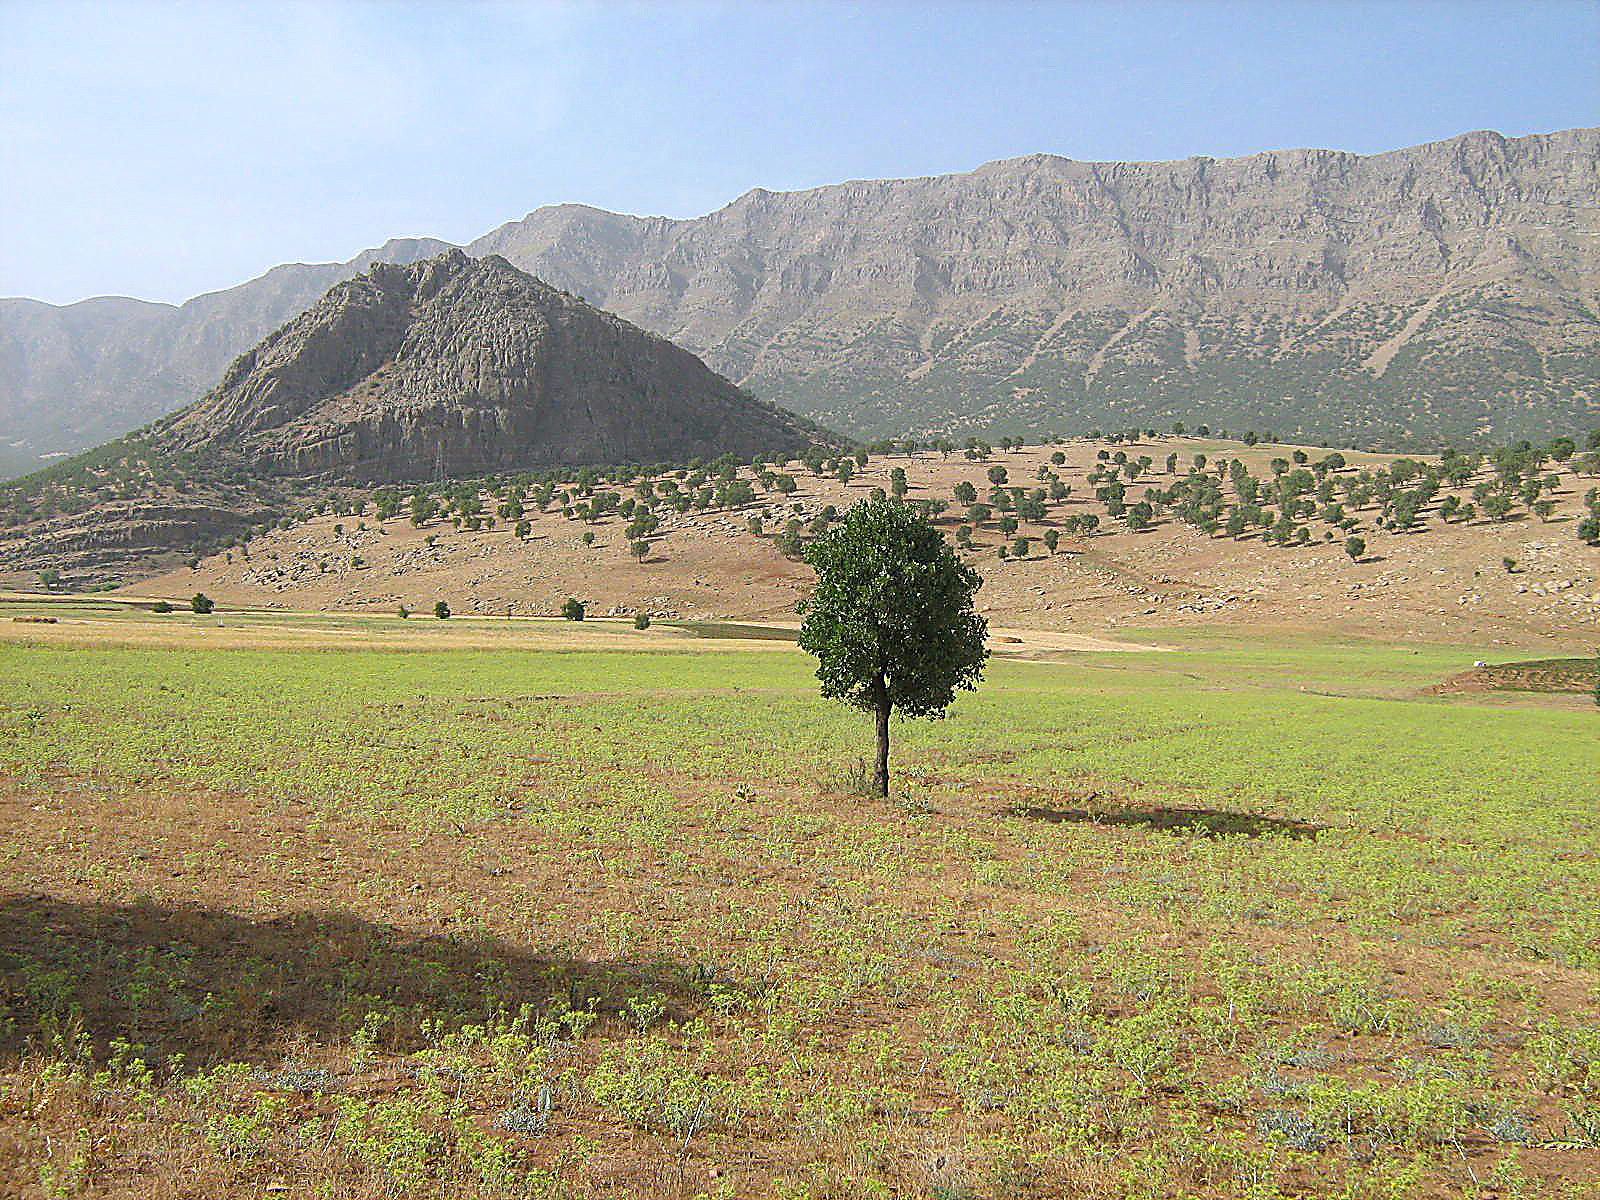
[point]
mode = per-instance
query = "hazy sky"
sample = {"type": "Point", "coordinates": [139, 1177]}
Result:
{"type": "Point", "coordinates": [164, 149]}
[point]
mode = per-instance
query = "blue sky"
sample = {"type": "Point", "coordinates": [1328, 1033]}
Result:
{"type": "Point", "coordinates": [164, 149]}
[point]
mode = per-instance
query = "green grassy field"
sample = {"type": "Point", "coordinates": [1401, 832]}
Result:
{"type": "Point", "coordinates": [1232, 919]}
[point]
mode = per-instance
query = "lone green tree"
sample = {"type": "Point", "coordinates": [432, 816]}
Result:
{"type": "Point", "coordinates": [891, 620]}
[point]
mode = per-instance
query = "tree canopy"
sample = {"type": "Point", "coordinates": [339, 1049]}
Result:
{"type": "Point", "coordinates": [891, 620]}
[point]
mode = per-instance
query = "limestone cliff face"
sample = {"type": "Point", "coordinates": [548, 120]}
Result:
{"type": "Point", "coordinates": [473, 366]}
{"type": "Point", "coordinates": [1444, 290]}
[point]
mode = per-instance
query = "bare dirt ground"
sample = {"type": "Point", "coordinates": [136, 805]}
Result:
{"type": "Point", "coordinates": [1442, 582]}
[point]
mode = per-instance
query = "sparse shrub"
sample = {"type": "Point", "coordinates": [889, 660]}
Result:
{"type": "Point", "coordinates": [852, 779]}
{"type": "Point", "coordinates": [1510, 1129]}
{"type": "Point", "coordinates": [641, 620]}
{"type": "Point", "coordinates": [532, 1119]}
{"type": "Point", "coordinates": [441, 610]}
{"type": "Point", "coordinates": [1294, 1128]}
{"type": "Point", "coordinates": [572, 610]}
{"type": "Point", "coordinates": [653, 1086]}
{"type": "Point", "coordinates": [201, 603]}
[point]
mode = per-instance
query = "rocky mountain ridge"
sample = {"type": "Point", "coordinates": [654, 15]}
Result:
{"type": "Point", "coordinates": [1449, 291]}
{"type": "Point", "coordinates": [1443, 291]}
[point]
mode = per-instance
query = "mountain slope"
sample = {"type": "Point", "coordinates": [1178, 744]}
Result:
{"type": "Point", "coordinates": [75, 375]}
{"type": "Point", "coordinates": [1447, 290]}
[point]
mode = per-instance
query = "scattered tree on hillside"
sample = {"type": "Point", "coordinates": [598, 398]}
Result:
{"type": "Point", "coordinates": [891, 620]}
{"type": "Point", "coordinates": [423, 508]}
{"type": "Point", "coordinates": [1497, 506]}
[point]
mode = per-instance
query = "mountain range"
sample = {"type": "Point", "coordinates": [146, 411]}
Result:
{"type": "Point", "coordinates": [1449, 291]}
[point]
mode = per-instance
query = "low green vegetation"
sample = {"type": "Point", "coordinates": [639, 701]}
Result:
{"type": "Point", "coordinates": [1233, 919]}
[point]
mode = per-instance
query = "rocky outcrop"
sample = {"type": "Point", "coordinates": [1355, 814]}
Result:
{"type": "Point", "coordinates": [466, 366]}
{"type": "Point", "coordinates": [451, 366]}
{"type": "Point", "coordinates": [124, 539]}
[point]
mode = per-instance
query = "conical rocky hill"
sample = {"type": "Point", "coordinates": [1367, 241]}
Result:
{"type": "Point", "coordinates": [465, 366]}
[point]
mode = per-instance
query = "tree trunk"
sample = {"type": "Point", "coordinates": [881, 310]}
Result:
{"type": "Point", "coordinates": [880, 772]}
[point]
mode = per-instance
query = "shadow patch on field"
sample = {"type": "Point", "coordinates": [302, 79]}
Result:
{"type": "Point", "coordinates": [1204, 821]}
{"type": "Point", "coordinates": [733, 629]}
{"type": "Point", "coordinates": [217, 986]}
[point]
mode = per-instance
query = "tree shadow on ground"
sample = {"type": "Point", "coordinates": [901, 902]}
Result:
{"type": "Point", "coordinates": [1203, 821]}
{"type": "Point", "coordinates": [217, 986]}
